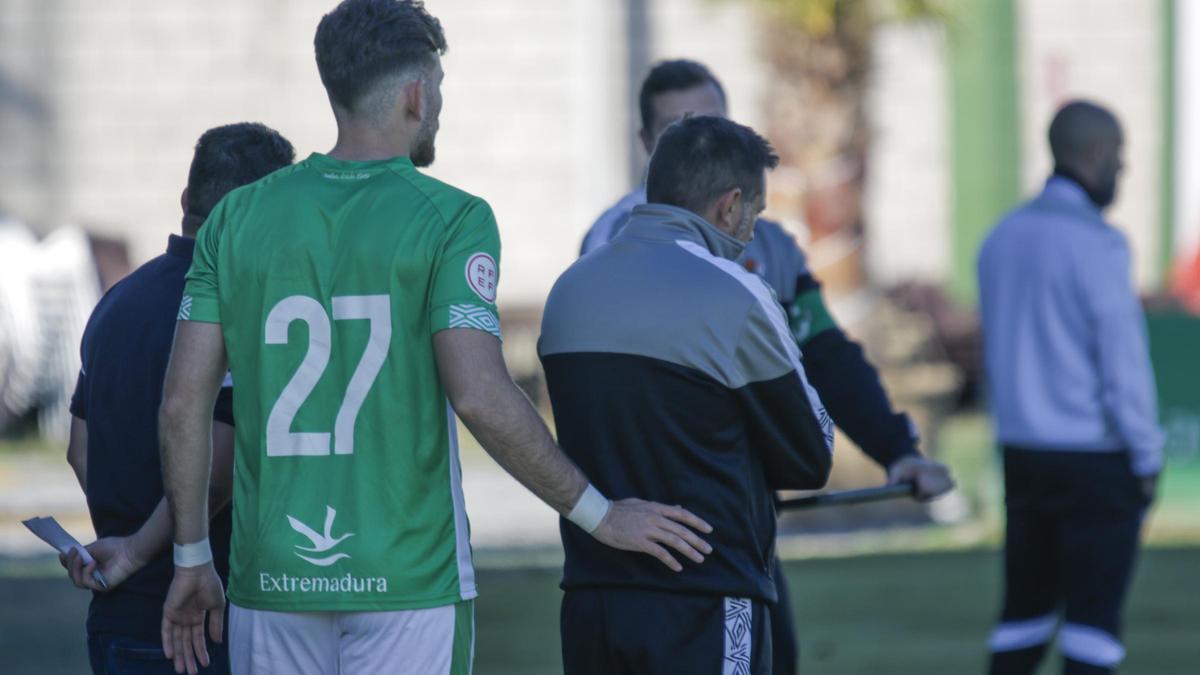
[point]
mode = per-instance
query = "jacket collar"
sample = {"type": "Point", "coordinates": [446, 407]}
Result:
{"type": "Point", "coordinates": [661, 222]}
{"type": "Point", "coordinates": [1063, 190]}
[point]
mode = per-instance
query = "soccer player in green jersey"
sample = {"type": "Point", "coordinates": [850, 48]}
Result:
{"type": "Point", "coordinates": [353, 300]}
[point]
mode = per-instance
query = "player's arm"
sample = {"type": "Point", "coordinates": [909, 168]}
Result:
{"type": "Point", "coordinates": [501, 418]}
{"type": "Point", "coordinates": [195, 371]}
{"type": "Point", "coordinates": [854, 396]}
{"type": "Point", "coordinates": [194, 374]}
{"type": "Point", "coordinates": [193, 380]}
{"type": "Point", "coordinates": [118, 558]}
{"type": "Point", "coordinates": [466, 341]}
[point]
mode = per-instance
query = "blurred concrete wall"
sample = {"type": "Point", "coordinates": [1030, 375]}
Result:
{"type": "Point", "coordinates": [127, 87]}
{"type": "Point", "coordinates": [101, 102]}
{"type": "Point", "coordinates": [1186, 122]}
{"type": "Point", "coordinates": [1109, 51]}
{"type": "Point", "coordinates": [907, 200]}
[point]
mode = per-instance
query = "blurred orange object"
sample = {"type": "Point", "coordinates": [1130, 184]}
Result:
{"type": "Point", "coordinates": [1185, 282]}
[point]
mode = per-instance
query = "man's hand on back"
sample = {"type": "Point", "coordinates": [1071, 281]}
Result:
{"type": "Point", "coordinates": [194, 592]}
{"type": "Point", "coordinates": [930, 478]}
{"type": "Point", "coordinates": [115, 557]}
{"type": "Point", "coordinates": [648, 527]}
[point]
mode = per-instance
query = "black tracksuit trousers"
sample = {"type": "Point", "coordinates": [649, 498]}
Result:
{"type": "Point", "coordinates": [1072, 535]}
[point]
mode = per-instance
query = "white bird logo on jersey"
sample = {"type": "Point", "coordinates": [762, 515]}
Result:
{"type": "Point", "coordinates": [320, 542]}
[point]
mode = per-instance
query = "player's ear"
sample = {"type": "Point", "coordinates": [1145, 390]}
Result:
{"type": "Point", "coordinates": [733, 209]}
{"type": "Point", "coordinates": [183, 200]}
{"type": "Point", "coordinates": [729, 209]}
{"type": "Point", "coordinates": [414, 99]}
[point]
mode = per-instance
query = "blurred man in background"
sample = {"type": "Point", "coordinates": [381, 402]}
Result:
{"type": "Point", "coordinates": [1074, 404]}
{"type": "Point", "coordinates": [695, 395]}
{"type": "Point", "coordinates": [847, 383]}
{"type": "Point", "coordinates": [114, 434]}
{"type": "Point", "coordinates": [353, 297]}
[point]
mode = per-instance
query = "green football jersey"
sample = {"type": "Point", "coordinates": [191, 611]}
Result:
{"type": "Point", "coordinates": [329, 279]}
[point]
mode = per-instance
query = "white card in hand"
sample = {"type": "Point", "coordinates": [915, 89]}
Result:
{"type": "Point", "coordinates": [48, 530]}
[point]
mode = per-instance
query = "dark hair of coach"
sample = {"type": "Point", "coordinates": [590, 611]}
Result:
{"type": "Point", "coordinates": [228, 157]}
{"type": "Point", "coordinates": [699, 159]}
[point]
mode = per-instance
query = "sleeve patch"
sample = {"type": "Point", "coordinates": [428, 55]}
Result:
{"type": "Point", "coordinates": [185, 308]}
{"type": "Point", "coordinates": [481, 276]}
{"type": "Point", "coordinates": [470, 316]}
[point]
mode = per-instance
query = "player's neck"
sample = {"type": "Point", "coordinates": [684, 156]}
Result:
{"type": "Point", "coordinates": [363, 144]}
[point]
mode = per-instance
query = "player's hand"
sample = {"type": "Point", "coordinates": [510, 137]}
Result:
{"type": "Point", "coordinates": [930, 478]}
{"type": "Point", "coordinates": [194, 592]}
{"type": "Point", "coordinates": [647, 527]}
{"type": "Point", "coordinates": [1149, 485]}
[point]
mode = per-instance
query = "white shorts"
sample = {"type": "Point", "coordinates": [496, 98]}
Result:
{"type": "Point", "coordinates": [435, 641]}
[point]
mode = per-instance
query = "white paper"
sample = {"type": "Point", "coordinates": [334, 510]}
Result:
{"type": "Point", "coordinates": [48, 530]}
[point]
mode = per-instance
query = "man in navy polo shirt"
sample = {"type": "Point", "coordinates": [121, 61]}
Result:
{"type": "Point", "coordinates": [114, 432]}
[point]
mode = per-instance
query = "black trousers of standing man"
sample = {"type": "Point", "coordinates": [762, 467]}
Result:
{"type": "Point", "coordinates": [1073, 524]}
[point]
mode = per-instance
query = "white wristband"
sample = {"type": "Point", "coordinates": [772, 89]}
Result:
{"type": "Point", "coordinates": [589, 510]}
{"type": "Point", "coordinates": [194, 554]}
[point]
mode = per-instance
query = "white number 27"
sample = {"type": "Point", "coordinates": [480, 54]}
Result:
{"type": "Point", "coordinates": [281, 440]}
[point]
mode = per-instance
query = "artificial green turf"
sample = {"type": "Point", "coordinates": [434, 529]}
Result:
{"type": "Point", "coordinates": [915, 614]}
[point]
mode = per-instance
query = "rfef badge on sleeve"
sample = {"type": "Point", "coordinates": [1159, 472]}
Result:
{"type": "Point", "coordinates": [481, 276]}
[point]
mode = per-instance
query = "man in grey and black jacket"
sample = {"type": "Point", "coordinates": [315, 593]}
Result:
{"type": "Point", "coordinates": [673, 376]}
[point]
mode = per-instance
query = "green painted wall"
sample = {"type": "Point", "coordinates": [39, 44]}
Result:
{"type": "Point", "coordinates": [985, 161]}
{"type": "Point", "coordinates": [1166, 244]}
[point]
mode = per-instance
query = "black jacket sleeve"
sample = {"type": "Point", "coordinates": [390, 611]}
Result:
{"type": "Point", "coordinates": [788, 429]}
{"type": "Point", "coordinates": [786, 433]}
{"type": "Point", "coordinates": [847, 383]}
{"type": "Point", "coordinates": [850, 389]}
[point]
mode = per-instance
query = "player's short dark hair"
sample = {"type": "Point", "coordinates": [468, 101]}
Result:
{"type": "Point", "coordinates": [698, 159]}
{"type": "Point", "coordinates": [673, 75]}
{"type": "Point", "coordinates": [229, 157]}
{"type": "Point", "coordinates": [363, 41]}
